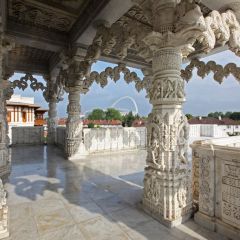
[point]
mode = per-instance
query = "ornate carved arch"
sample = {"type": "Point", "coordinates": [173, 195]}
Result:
{"type": "Point", "coordinates": [22, 83]}
{"type": "Point", "coordinates": [203, 69]}
{"type": "Point", "coordinates": [115, 74]}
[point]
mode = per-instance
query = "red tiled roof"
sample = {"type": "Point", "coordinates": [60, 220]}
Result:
{"type": "Point", "coordinates": [138, 123]}
{"type": "Point", "coordinates": [211, 120]}
{"type": "Point", "coordinates": [102, 122]}
{"type": "Point", "coordinates": [62, 121]}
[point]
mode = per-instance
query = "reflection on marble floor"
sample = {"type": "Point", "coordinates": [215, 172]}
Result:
{"type": "Point", "coordinates": [94, 198]}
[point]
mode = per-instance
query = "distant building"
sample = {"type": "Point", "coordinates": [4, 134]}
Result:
{"type": "Point", "coordinates": [21, 111]}
{"type": "Point", "coordinates": [139, 123]}
{"type": "Point", "coordinates": [226, 125]}
{"type": "Point", "coordinates": [62, 121]}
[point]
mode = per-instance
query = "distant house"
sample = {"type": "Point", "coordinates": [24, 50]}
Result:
{"type": "Point", "coordinates": [227, 125]}
{"type": "Point", "coordinates": [62, 121]}
{"type": "Point", "coordinates": [21, 111]}
{"type": "Point", "coordinates": [139, 123]}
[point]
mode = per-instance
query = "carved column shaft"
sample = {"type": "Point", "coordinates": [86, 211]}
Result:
{"type": "Point", "coordinates": [4, 150]}
{"type": "Point", "coordinates": [167, 181]}
{"type": "Point", "coordinates": [74, 126]}
{"type": "Point", "coordinates": [5, 94]}
{"type": "Point", "coordinates": [52, 120]}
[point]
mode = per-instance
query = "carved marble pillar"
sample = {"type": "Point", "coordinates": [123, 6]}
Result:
{"type": "Point", "coordinates": [168, 181]}
{"type": "Point", "coordinates": [5, 92]}
{"type": "Point", "coordinates": [5, 166]}
{"type": "Point", "coordinates": [52, 120]}
{"type": "Point", "coordinates": [51, 96]}
{"type": "Point", "coordinates": [74, 127]}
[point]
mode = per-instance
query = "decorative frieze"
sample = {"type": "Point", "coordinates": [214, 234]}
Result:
{"type": "Point", "coordinates": [22, 83]}
{"type": "Point", "coordinates": [40, 15]}
{"type": "Point", "coordinates": [204, 69]}
{"type": "Point", "coordinates": [115, 74]}
{"type": "Point", "coordinates": [221, 28]}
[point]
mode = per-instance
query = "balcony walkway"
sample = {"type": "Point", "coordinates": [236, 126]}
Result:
{"type": "Point", "coordinates": [51, 198]}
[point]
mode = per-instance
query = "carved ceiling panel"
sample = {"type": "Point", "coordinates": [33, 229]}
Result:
{"type": "Point", "coordinates": [23, 58]}
{"type": "Point", "coordinates": [45, 14]}
{"type": "Point", "coordinates": [31, 53]}
{"type": "Point", "coordinates": [136, 13]}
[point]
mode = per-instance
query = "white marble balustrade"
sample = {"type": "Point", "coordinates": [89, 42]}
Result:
{"type": "Point", "coordinates": [216, 184]}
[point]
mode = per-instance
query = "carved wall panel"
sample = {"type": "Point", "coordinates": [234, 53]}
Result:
{"type": "Point", "coordinates": [217, 184]}
{"type": "Point", "coordinates": [231, 193]}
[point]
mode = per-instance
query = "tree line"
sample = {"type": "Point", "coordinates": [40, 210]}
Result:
{"type": "Point", "coordinates": [113, 114]}
{"type": "Point", "coordinates": [231, 115]}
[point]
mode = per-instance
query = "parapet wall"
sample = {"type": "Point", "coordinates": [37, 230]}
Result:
{"type": "Point", "coordinates": [108, 139]}
{"type": "Point", "coordinates": [216, 184]}
{"type": "Point", "coordinates": [27, 135]}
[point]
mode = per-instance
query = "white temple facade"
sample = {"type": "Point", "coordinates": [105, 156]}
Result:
{"type": "Point", "coordinates": [62, 40]}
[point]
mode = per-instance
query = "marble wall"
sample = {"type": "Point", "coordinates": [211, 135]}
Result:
{"type": "Point", "coordinates": [216, 184]}
{"type": "Point", "coordinates": [27, 135]}
{"type": "Point", "coordinates": [108, 139]}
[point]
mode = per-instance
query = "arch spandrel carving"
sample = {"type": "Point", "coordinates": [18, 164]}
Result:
{"type": "Point", "coordinates": [203, 69]}
{"type": "Point", "coordinates": [22, 83]}
{"type": "Point", "coordinates": [115, 75]}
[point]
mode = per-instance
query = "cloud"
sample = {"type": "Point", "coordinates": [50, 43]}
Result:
{"type": "Point", "coordinates": [203, 95]}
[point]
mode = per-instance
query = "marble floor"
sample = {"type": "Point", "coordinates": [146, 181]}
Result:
{"type": "Point", "coordinates": [94, 198]}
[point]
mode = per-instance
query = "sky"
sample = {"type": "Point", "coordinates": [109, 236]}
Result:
{"type": "Point", "coordinates": [202, 95]}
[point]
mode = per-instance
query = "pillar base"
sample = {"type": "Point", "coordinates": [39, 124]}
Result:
{"type": "Point", "coordinates": [166, 222]}
{"type": "Point", "coordinates": [216, 225]}
{"type": "Point", "coordinates": [80, 154]}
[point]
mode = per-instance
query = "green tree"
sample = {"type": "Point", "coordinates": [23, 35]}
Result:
{"type": "Point", "coordinates": [128, 119]}
{"type": "Point", "coordinates": [91, 125]}
{"type": "Point", "coordinates": [216, 114]}
{"type": "Point", "coordinates": [113, 114]}
{"type": "Point", "coordinates": [235, 116]}
{"type": "Point", "coordinates": [228, 114]}
{"type": "Point", "coordinates": [189, 116]}
{"type": "Point", "coordinates": [97, 114]}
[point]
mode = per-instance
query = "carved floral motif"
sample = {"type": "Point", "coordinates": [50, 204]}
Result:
{"type": "Point", "coordinates": [203, 69]}
{"type": "Point", "coordinates": [25, 12]}
{"type": "Point", "coordinates": [222, 28]}
{"type": "Point", "coordinates": [22, 83]}
{"type": "Point", "coordinates": [114, 74]}
{"type": "Point", "coordinates": [204, 188]}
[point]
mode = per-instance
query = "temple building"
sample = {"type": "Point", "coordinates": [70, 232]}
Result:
{"type": "Point", "coordinates": [153, 188]}
{"type": "Point", "coordinates": [22, 111]}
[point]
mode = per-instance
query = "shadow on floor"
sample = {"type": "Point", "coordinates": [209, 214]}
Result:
{"type": "Point", "coordinates": [93, 198]}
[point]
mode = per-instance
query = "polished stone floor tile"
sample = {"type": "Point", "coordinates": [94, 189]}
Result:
{"type": "Point", "coordinates": [84, 212]}
{"type": "Point", "coordinates": [112, 204]}
{"type": "Point", "coordinates": [101, 228]}
{"type": "Point", "coordinates": [72, 232]}
{"type": "Point", "coordinates": [53, 220]}
{"type": "Point", "coordinates": [47, 205]}
{"type": "Point", "coordinates": [131, 217]}
{"type": "Point", "coordinates": [93, 198]}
